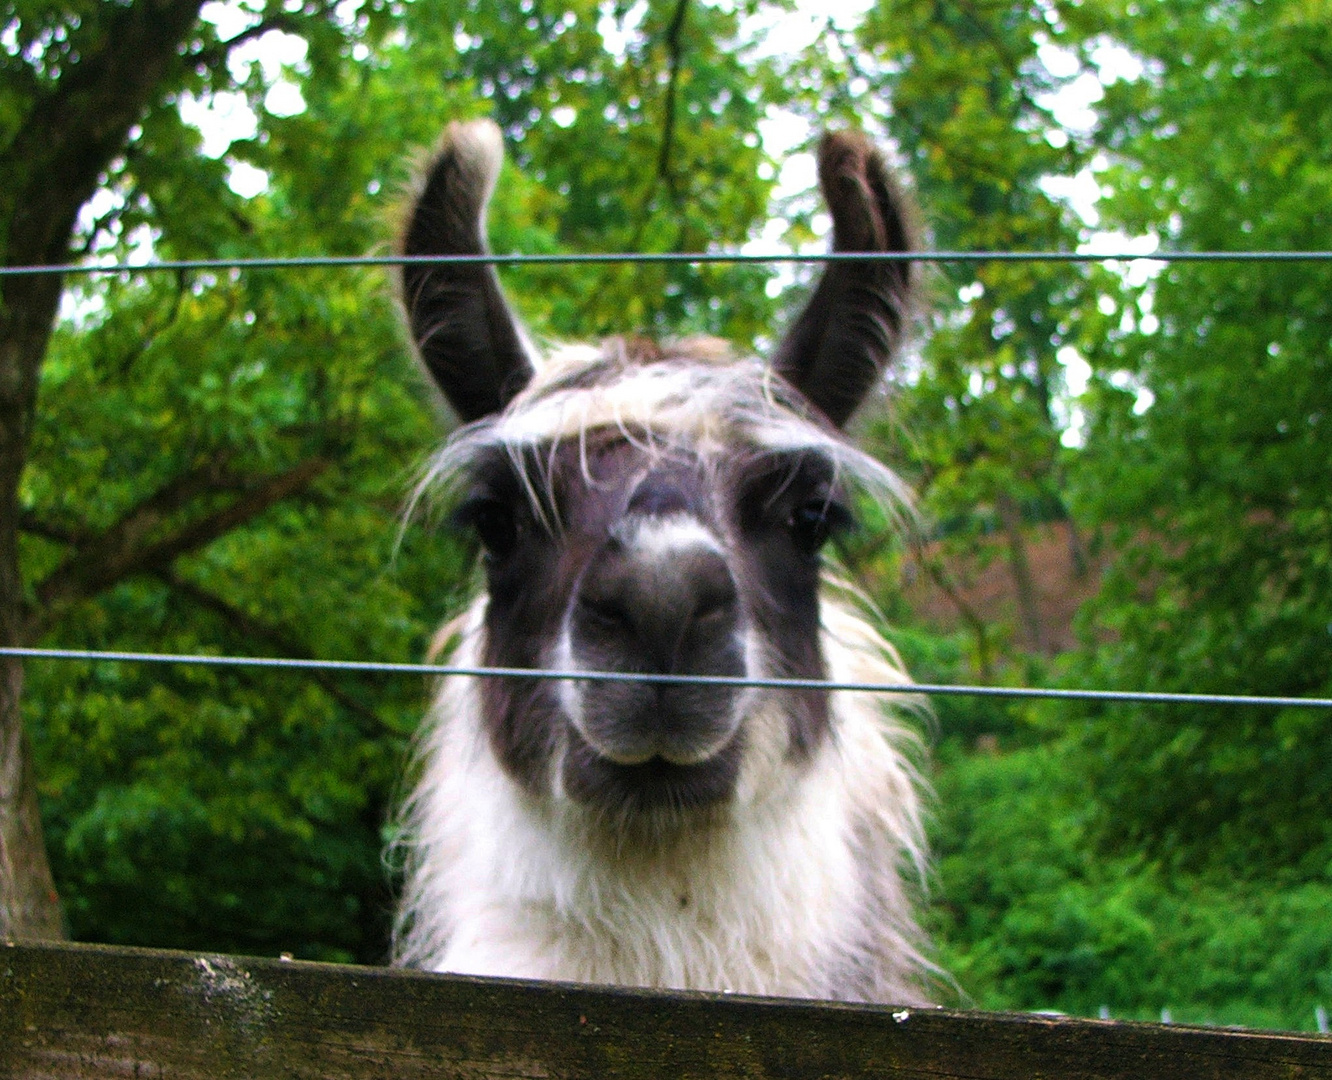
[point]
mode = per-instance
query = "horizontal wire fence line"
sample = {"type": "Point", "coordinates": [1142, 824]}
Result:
{"type": "Point", "coordinates": [690, 258]}
{"type": "Point", "coordinates": [383, 668]}
{"type": "Point", "coordinates": [695, 257]}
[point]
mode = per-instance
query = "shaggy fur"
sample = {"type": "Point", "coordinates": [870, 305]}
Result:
{"type": "Point", "coordinates": [791, 871]}
{"type": "Point", "coordinates": [798, 888]}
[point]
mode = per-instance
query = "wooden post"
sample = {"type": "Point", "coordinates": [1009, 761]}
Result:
{"type": "Point", "coordinates": [83, 1011]}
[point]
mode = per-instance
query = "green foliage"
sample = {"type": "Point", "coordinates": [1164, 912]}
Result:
{"type": "Point", "coordinates": [219, 460]}
{"type": "Point", "coordinates": [230, 810]}
{"type": "Point", "coordinates": [977, 420]}
{"type": "Point", "coordinates": [1221, 492]}
{"type": "Point", "coordinates": [1135, 857]}
{"type": "Point", "coordinates": [249, 438]}
{"type": "Point", "coordinates": [1033, 916]}
{"type": "Point", "coordinates": [654, 148]}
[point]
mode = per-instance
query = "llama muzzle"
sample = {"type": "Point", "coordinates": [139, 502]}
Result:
{"type": "Point", "coordinates": [658, 598]}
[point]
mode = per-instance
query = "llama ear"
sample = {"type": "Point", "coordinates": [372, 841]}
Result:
{"type": "Point", "coordinates": [467, 337]}
{"type": "Point", "coordinates": [843, 340]}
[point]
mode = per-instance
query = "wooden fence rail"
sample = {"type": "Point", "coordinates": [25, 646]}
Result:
{"type": "Point", "coordinates": [82, 1011]}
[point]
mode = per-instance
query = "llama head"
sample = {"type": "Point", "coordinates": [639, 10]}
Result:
{"type": "Point", "coordinates": [652, 509]}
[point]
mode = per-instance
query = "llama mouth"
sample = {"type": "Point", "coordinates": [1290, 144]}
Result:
{"type": "Point", "coordinates": [655, 784]}
{"type": "Point", "coordinates": [633, 724]}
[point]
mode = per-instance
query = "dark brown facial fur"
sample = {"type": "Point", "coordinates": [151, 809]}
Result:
{"type": "Point", "coordinates": [551, 526]}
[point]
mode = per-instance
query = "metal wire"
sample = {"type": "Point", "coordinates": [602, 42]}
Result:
{"type": "Point", "coordinates": [376, 667]}
{"type": "Point", "coordinates": [692, 258]}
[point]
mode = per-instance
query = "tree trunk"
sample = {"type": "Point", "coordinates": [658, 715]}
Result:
{"type": "Point", "coordinates": [29, 907]}
{"type": "Point", "coordinates": [1010, 515]}
{"type": "Point", "coordinates": [980, 633]}
{"type": "Point", "coordinates": [70, 131]}
{"type": "Point", "coordinates": [1077, 549]}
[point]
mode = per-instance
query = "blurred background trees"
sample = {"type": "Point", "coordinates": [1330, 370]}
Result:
{"type": "Point", "coordinates": [217, 461]}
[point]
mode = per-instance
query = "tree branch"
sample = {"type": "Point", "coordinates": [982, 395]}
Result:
{"type": "Point", "coordinates": [77, 126]}
{"type": "Point", "coordinates": [943, 580]}
{"type": "Point", "coordinates": [125, 550]}
{"type": "Point", "coordinates": [255, 629]}
{"type": "Point", "coordinates": [662, 173]}
{"type": "Point", "coordinates": [55, 531]}
{"type": "Point", "coordinates": [1019, 566]}
{"type": "Point", "coordinates": [674, 54]}
{"type": "Point", "coordinates": [151, 333]}
{"type": "Point", "coordinates": [119, 542]}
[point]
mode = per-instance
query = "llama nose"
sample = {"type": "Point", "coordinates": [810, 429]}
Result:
{"type": "Point", "coordinates": [641, 608]}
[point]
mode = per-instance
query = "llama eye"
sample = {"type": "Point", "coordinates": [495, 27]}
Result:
{"type": "Point", "coordinates": [494, 523]}
{"type": "Point", "coordinates": [813, 522]}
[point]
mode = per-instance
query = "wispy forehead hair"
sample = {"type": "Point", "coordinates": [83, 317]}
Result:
{"type": "Point", "coordinates": [694, 399]}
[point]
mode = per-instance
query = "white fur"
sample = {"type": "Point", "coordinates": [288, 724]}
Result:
{"type": "Point", "coordinates": [802, 884]}
{"type": "Point", "coordinates": [663, 539]}
{"type": "Point", "coordinates": [768, 896]}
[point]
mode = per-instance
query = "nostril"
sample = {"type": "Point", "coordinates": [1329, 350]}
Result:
{"type": "Point", "coordinates": [715, 609]}
{"type": "Point", "coordinates": [657, 611]}
{"type": "Point", "coordinates": [604, 613]}
{"type": "Point", "coordinates": [715, 597]}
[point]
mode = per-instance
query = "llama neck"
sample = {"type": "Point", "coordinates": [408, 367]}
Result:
{"type": "Point", "coordinates": [731, 906]}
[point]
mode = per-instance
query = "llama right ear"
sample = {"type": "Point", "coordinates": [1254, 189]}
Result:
{"type": "Point", "coordinates": [843, 341]}
{"type": "Point", "coordinates": [468, 338]}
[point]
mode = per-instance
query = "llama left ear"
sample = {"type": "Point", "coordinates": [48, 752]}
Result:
{"type": "Point", "coordinates": [468, 338]}
{"type": "Point", "coordinates": [843, 341]}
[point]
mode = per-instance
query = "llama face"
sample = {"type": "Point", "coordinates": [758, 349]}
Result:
{"type": "Point", "coordinates": [648, 509]}
{"type": "Point", "coordinates": [621, 551]}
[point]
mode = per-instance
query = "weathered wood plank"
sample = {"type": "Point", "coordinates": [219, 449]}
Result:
{"type": "Point", "coordinates": [82, 1011]}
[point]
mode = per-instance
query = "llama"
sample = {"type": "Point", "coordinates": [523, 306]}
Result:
{"type": "Point", "coordinates": [661, 509]}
